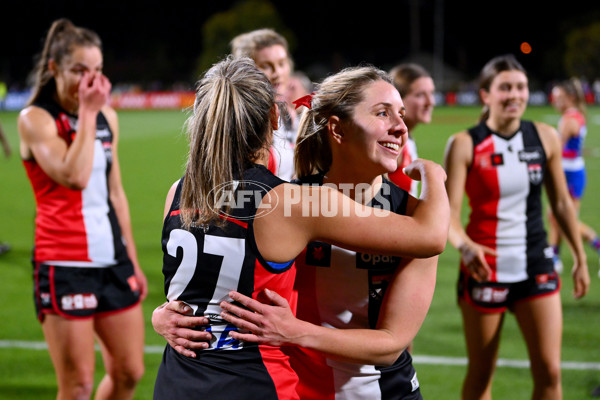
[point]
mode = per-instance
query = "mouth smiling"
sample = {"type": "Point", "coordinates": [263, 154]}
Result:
{"type": "Point", "coordinates": [395, 147]}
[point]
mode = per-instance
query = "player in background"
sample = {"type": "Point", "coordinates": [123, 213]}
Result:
{"type": "Point", "coordinates": [506, 263]}
{"type": "Point", "coordinates": [270, 52]}
{"type": "Point", "coordinates": [88, 283]}
{"type": "Point", "coordinates": [417, 90]}
{"type": "Point", "coordinates": [569, 100]}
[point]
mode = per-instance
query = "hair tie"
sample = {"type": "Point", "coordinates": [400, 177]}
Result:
{"type": "Point", "coordinates": [305, 101]}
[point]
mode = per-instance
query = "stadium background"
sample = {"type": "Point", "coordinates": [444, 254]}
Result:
{"type": "Point", "coordinates": [154, 49]}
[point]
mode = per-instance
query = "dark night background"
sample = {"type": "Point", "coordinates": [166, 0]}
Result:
{"type": "Point", "coordinates": [158, 41]}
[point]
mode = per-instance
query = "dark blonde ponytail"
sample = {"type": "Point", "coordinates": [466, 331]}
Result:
{"type": "Point", "coordinates": [230, 126]}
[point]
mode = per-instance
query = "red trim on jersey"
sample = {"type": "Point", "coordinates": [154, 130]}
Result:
{"type": "Point", "coordinates": [482, 171]}
{"type": "Point", "coordinates": [272, 165]}
{"type": "Point", "coordinates": [576, 115]}
{"type": "Point", "coordinates": [275, 361]}
{"type": "Point", "coordinates": [174, 212]}
{"type": "Point", "coordinates": [235, 221]}
{"type": "Point", "coordinates": [316, 377]}
{"type": "Point", "coordinates": [398, 176]}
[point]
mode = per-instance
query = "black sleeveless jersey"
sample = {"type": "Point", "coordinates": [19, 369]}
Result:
{"type": "Point", "coordinates": [200, 267]}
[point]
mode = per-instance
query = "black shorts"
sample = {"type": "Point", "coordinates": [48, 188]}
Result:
{"type": "Point", "coordinates": [224, 375]}
{"type": "Point", "coordinates": [497, 297]}
{"type": "Point", "coordinates": [399, 381]}
{"type": "Point", "coordinates": [83, 292]}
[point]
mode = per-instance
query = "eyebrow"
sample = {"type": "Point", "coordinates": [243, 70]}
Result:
{"type": "Point", "coordinates": [388, 105]}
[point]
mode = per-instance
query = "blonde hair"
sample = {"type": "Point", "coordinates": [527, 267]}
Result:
{"type": "Point", "coordinates": [230, 126]}
{"type": "Point", "coordinates": [61, 40]}
{"type": "Point", "coordinates": [337, 95]}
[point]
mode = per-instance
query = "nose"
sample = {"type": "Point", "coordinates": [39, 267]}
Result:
{"type": "Point", "coordinates": [431, 99]}
{"type": "Point", "coordinates": [399, 127]}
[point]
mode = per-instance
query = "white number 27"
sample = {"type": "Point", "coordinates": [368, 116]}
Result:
{"type": "Point", "coordinates": [233, 252]}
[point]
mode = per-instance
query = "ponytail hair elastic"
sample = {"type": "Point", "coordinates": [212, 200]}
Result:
{"type": "Point", "coordinates": [305, 101]}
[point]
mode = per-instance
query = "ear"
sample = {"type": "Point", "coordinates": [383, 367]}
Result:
{"type": "Point", "coordinates": [52, 67]}
{"type": "Point", "coordinates": [483, 95]}
{"type": "Point", "coordinates": [334, 126]}
{"type": "Point", "coordinates": [275, 117]}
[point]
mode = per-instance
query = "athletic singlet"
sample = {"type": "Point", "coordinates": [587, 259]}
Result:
{"type": "Point", "coordinates": [504, 186]}
{"type": "Point", "coordinates": [281, 161]}
{"type": "Point", "coordinates": [409, 154]}
{"type": "Point", "coordinates": [572, 155]}
{"type": "Point", "coordinates": [76, 227]}
{"type": "Point", "coordinates": [200, 267]}
{"type": "Point", "coordinates": [342, 289]}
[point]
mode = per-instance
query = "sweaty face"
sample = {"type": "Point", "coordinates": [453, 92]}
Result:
{"type": "Point", "coordinates": [508, 95]}
{"type": "Point", "coordinates": [274, 62]}
{"type": "Point", "coordinates": [419, 101]}
{"type": "Point", "coordinates": [376, 133]}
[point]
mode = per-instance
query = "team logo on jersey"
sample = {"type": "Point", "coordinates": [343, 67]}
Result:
{"type": "Point", "coordinates": [535, 173]}
{"type": "Point", "coordinates": [318, 254]}
{"type": "Point", "coordinates": [497, 159]}
{"type": "Point", "coordinates": [237, 195]}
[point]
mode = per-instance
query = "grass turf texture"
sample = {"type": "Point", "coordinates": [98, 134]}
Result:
{"type": "Point", "coordinates": [152, 151]}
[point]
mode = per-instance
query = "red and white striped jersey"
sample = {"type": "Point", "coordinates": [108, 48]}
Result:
{"type": "Point", "coordinates": [76, 227]}
{"type": "Point", "coordinates": [504, 186]}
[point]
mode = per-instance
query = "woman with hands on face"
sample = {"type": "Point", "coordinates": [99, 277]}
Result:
{"type": "Point", "coordinates": [88, 282]}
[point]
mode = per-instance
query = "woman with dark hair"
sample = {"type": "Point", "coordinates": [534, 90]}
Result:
{"type": "Point", "coordinates": [88, 282]}
{"type": "Point", "coordinates": [506, 263]}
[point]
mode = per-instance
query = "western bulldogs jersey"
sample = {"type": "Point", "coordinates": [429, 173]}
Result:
{"type": "Point", "coordinates": [200, 267]}
{"type": "Point", "coordinates": [572, 155]}
{"type": "Point", "coordinates": [504, 186]}
{"type": "Point", "coordinates": [76, 227]}
{"type": "Point", "coordinates": [409, 154]}
{"type": "Point", "coordinates": [342, 289]}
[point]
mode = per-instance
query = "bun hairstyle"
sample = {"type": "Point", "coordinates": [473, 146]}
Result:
{"type": "Point", "coordinates": [61, 40]}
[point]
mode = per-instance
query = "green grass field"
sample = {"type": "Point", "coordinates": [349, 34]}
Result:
{"type": "Point", "coordinates": [152, 153]}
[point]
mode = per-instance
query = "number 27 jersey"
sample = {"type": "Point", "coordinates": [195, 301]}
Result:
{"type": "Point", "coordinates": [201, 266]}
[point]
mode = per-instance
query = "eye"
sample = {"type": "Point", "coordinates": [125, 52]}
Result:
{"type": "Point", "coordinates": [382, 113]}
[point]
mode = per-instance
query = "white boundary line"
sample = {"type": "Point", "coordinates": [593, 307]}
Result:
{"type": "Point", "coordinates": [418, 359]}
{"type": "Point", "coordinates": [503, 362]}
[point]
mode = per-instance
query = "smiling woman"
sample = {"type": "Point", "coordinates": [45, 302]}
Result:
{"type": "Point", "coordinates": [349, 136]}
{"type": "Point", "coordinates": [502, 164]}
